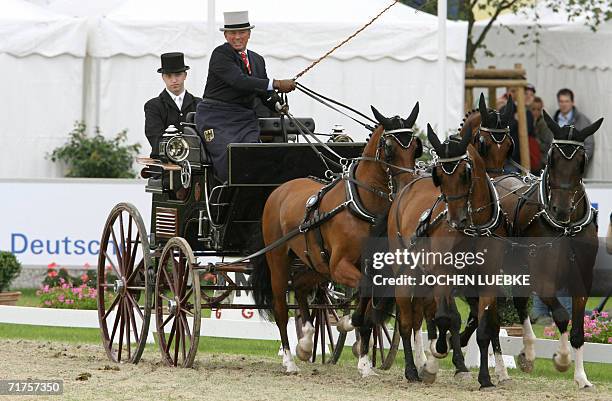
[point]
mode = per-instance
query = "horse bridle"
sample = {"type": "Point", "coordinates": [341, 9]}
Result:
{"type": "Point", "coordinates": [456, 161]}
{"type": "Point", "coordinates": [545, 189]}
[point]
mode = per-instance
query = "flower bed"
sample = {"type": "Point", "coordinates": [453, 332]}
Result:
{"type": "Point", "coordinates": [61, 290]}
{"type": "Point", "coordinates": [597, 329]}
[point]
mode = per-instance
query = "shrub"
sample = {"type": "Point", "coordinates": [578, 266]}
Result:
{"type": "Point", "coordinates": [95, 156]}
{"type": "Point", "coordinates": [597, 329]}
{"type": "Point", "coordinates": [9, 269]}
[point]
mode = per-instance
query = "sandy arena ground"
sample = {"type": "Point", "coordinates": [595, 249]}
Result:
{"type": "Point", "coordinates": [231, 377]}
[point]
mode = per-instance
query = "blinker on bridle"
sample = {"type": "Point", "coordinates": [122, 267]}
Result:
{"type": "Point", "coordinates": [576, 144]}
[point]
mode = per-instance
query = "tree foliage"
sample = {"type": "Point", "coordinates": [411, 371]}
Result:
{"type": "Point", "coordinates": [594, 12]}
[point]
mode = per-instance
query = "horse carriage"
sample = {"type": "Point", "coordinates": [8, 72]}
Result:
{"type": "Point", "coordinates": [172, 274]}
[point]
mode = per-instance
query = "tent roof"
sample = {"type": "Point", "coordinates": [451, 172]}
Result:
{"type": "Point", "coordinates": [27, 29]}
{"type": "Point", "coordinates": [83, 8]}
{"type": "Point", "coordinates": [283, 29]}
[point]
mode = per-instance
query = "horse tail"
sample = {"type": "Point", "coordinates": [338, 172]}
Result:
{"type": "Point", "coordinates": [261, 280]}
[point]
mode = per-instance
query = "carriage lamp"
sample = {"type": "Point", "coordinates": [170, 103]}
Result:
{"type": "Point", "coordinates": [177, 149]}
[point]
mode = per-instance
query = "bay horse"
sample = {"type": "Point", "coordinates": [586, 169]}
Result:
{"type": "Point", "coordinates": [552, 210]}
{"type": "Point", "coordinates": [331, 248]}
{"type": "Point", "coordinates": [459, 203]}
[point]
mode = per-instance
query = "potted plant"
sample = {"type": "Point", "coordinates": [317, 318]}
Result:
{"type": "Point", "coordinates": [508, 318]}
{"type": "Point", "coordinates": [9, 270]}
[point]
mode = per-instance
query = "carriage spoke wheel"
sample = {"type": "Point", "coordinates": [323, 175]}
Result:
{"type": "Point", "coordinates": [124, 291]}
{"type": "Point", "coordinates": [324, 318]}
{"type": "Point", "coordinates": [178, 304]}
{"type": "Point", "coordinates": [385, 344]}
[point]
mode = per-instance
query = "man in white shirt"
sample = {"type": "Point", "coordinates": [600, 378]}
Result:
{"type": "Point", "coordinates": [172, 104]}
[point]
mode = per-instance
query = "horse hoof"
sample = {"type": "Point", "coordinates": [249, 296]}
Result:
{"type": "Point", "coordinates": [355, 348]}
{"type": "Point", "coordinates": [427, 377]}
{"type": "Point", "coordinates": [487, 387]}
{"type": "Point", "coordinates": [563, 364]}
{"type": "Point", "coordinates": [411, 375]}
{"type": "Point", "coordinates": [589, 387]}
{"type": "Point", "coordinates": [291, 369]}
{"type": "Point", "coordinates": [504, 381]}
{"type": "Point", "coordinates": [525, 364]}
{"type": "Point", "coordinates": [344, 324]}
{"type": "Point", "coordinates": [463, 376]}
{"type": "Point", "coordinates": [303, 355]}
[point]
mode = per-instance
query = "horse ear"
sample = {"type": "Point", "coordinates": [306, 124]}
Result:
{"type": "Point", "coordinates": [591, 129]}
{"type": "Point", "coordinates": [467, 137]}
{"type": "Point", "coordinates": [379, 117]}
{"type": "Point", "coordinates": [433, 138]}
{"type": "Point", "coordinates": [508, 112]}
{"type": "Point", "coordinates": [552, 125]}
{"type": "Point", "coordinates": [413, 116]}
{"type": "Point", "coordinates": [482, 107]}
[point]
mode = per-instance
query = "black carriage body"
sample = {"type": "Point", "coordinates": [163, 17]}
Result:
{"type": "Point", "coordinates": [220, 219]}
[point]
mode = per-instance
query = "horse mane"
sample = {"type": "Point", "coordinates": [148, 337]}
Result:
{"type": "Point", "coordinates": [468, 120]}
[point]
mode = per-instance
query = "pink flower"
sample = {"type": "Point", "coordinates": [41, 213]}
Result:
{"type": "Point", "coordinates": [62, 281]}
{"type": "Point", "coordinates": [48, 303]}
{"type": "Point", "coordinates": [60, 298]}
{"type": "Point", "coordinates": [588, 335]}
{"type": "Point", "coordinates": [87, 265]}
{"type": "Point", "coordinates": [609, 340]}
{"type": "Point", "coordinates": [52, 273]}
{"type": "Point", "coordinates": [84, 277]}
{"type": "Point", "coordinates": [51, 265]}
{"type": "Point", "coordinates": [46, 288]}
{"type": "Point", "coordinates": [604, 315]}
{"type": "Point", "coordinates": [69, 301]}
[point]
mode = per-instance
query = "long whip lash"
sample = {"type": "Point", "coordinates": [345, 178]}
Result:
{"type": "Point", "coordinates": [344, 41]}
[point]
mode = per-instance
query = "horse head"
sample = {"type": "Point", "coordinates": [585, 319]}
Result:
{"type": "Point", "coordinates": [565, 165]}
{"type": "Point", "coordinates": [492, 138]}
{"type": "Point", "coordinates": [452, 172]}
{"type": "Point", "coordinates": [393, 141]}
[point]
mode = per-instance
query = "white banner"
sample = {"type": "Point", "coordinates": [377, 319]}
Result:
{"type": "Point", "coordinates": [61, 220]}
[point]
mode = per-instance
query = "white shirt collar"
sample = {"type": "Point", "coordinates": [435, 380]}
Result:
{"type": "Point", "coordinates": [173, 96]}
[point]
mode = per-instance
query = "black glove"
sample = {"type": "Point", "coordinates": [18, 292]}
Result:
{"type": "Point", "coordinates": [275, 103]}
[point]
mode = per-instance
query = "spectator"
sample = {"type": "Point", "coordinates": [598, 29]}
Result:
{"type": "Point", "coordinates": [541, 131]}
{"type": "Point", "coordinates": [530, 92]}
{"type": "Point", "coordinates": [568, 114]}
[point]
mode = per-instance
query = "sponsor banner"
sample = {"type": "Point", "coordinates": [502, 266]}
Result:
{"type": "Point", "coordinates": [61, 221]}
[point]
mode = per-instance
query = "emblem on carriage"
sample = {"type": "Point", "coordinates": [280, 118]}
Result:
{"type": "Point", "coordinates": [209, 135]}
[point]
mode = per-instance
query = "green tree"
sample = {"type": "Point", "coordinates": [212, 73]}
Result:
{"type": "Point", "coordinates": [594, 11]}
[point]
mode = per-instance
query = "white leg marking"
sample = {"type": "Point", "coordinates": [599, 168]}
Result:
{"type": "Point", "coordinates": [431, 365]}
{"type": "Point", "coordinates": [344, 324]}
{"type": "Point", "coordinates": [306, 341]}
{"type": "Point", "coordinates": [288, 363]}
{"type": "Point", "coordinates": [562, 358]}
{"type": "Point", "coordinates": [529, 338]}
{"type": "Point", "coordinates": [500, 368]}
{"type": "Point", "coordinates": [364, 365]}
{"type": "Point", "coordinates": [580, 376]}
{"type": "Point", "coordinates": [419, 350]}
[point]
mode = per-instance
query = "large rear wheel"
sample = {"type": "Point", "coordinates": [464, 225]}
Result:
{"type": "Point", "coordinates": [124, 292]}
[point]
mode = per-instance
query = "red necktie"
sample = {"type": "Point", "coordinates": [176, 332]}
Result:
{"type": "Point", "coordinates": [245, 60]}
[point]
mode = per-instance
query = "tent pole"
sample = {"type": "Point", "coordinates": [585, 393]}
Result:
{"type": "Point", "coordinates": [442, 6]}
{"type": "Point", "coordinates": [211, 26]}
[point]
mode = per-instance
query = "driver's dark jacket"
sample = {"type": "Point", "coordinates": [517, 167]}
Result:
{"type": "Point", "coordinates": [161, 111]}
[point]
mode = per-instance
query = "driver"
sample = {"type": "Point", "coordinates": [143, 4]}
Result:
{"type": "Point", "coordinates": [172, 104]}
{"type": "Point", "coordinates": [236, 76]}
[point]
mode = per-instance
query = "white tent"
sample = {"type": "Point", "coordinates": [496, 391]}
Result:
{"type": "Point", "coordinates": [41, 62]}
{"type": "Point", "coordinates": [574, 57]}
{"type": "Point", "coordinates": [391, 64]}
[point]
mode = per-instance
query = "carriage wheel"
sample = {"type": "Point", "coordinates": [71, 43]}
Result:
{"type": "Point", "coordinates": [178, 304]}
{"type": "Point", "coordinates": [324, 315]}
{"type": "Point", "coordinates": [124, 291]}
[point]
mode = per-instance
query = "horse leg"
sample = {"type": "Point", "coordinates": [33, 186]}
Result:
{"type": "Point", "coordinates": [442, 321]}
{"type": "Point", "coordinates": [527, 356]}
{"type": "Point", "coordinates": [364, 365]}
{"type": "Point", "coordinates": [472, 322]}
{"type": "Point", "coordinates": [417, 321]}
{"type": "Point", "coordinates": [484, 334]}
{"type": "Point", "coordinates": [431, 367]}
{"type": "Point", "coordinates": [500, 367]}
{"type": "Point", "coordinates": [461, 371]}
{"type": "Point", "coordinates": [562, 359]}
{"type": "Point", "coordinates": [577, 341]}
{"type": "Point", "coordinates": [404, 307]}
{"type": "Point", "coordinates": [279, 274]}
{"type": "Point", "coordinates": [303, 285]}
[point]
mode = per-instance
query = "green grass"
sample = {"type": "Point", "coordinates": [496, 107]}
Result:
{"type": "Point", "coordinates": [597, 372]}
{"type": "Point", "coordinates": [28, 297]}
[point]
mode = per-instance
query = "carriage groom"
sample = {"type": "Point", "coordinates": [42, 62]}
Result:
{"type": "Point", "coordinates": [236, 76]}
